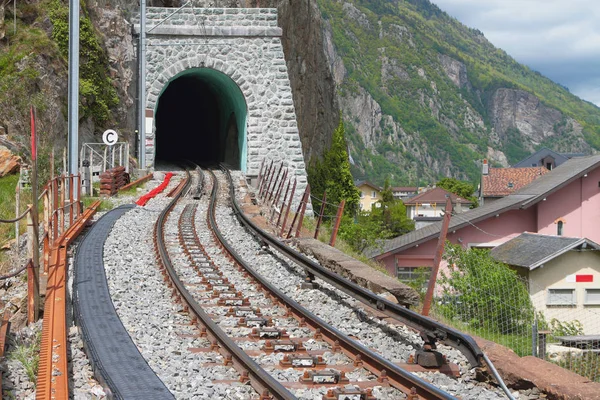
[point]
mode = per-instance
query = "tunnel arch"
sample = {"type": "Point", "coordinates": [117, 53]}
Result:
{"type": "Point", "coordinates": [201, 114]}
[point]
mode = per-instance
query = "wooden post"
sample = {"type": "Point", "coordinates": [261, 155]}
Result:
{"type": "Point", "coordinates": [283, 201]}
{"type": "Point", "coordinates": [287, 211]}
{"type": "Point", "coordinates": [438, 258]}
{"type": "Point", "coordinates": [338, 220]}
{"type": "Point", "coordinates": [33, 294]}
{"type": "Point", "coordinates": [321, 214]}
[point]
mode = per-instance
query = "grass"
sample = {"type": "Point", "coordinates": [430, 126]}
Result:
{"type": "Point", "coordinates": [309, 224]}
{"type": "Point", "coordinates": [7, 207]}
{"type": "Point", "coordinates": [28, 354]}
{"type": "Point", "coordinates": [106, 204]}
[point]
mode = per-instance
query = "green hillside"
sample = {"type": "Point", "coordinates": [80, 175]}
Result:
{"type": "Point", "coordinates": [426, 34]}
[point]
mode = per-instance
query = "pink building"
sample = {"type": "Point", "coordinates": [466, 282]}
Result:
{"type": "Point", "coordinates": [563, 202]}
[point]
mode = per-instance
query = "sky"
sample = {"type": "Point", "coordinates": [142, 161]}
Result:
{"type": "Point", "coordinates": [558, 38]}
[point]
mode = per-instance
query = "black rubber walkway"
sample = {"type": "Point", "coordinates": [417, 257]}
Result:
{"type": "Point", "coordinates": [115, 358]}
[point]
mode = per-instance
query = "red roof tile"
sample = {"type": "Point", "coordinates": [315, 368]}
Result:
{"type": "Point", "coordinates": [436, 195]}
{"type": "Point", "coordinates": [504, 181]}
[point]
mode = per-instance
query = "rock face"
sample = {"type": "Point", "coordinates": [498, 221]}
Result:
{"type": "Point", "coordinates": [9, 163]}
{"type": "Point", "coordinates": [517, 109]}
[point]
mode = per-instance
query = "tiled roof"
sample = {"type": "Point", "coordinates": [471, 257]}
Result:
{"type": "Point", "coordinates": [404, 189]}
{"type": "Point", "coordinates": [360, 183]}
{"type": "Point", "coordinates": [523, 198]}
{"type": "Point", "coordinates": [504, 181]}
{"type": "Point", "coordinates": [436, 195]}
{"type": "Point", "coordinates": [530, 250]}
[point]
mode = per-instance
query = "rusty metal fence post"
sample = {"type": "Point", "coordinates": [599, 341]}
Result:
{"type": "Point", "coordinates": [338, 220]}
{"type": "Point", "coordinates": [321, 212]}
{"type": "Point", "coordinates": [33, 271]}
{"type": "Point", "coordinates": [287, 208]}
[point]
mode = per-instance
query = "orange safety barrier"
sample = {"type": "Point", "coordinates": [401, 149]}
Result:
{"type": "Point", "coordinates": [53, 376]}
{"type": "Point", "coordinates": [145, 198]}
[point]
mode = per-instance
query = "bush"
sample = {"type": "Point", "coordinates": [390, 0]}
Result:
{"type": "Point", "coordinates": [484, 293]}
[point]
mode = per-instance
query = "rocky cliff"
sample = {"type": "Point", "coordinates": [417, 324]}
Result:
{"type": "Point", "coordinates": [423, 96]}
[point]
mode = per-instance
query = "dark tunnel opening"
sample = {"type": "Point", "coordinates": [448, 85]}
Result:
{"type": "Point", "coordinates": [201, 116]}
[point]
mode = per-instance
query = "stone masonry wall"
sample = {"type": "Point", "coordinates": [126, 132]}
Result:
{"type": "Point", "coordinates": [244, 44]}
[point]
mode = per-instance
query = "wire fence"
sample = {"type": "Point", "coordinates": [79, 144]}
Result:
{"type": "Point", "coordinates": [559, 325]}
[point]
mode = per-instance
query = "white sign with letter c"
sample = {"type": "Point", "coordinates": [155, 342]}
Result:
{"type": "Point", "coordinates": [110, 137]}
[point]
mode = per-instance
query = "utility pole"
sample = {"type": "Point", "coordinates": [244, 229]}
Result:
{"type": "Point", "coordinates": [73, 87]}
{"type": "Point", "coordinates": [142, 88]}
{"type": "Point", "coordinates": [438, 257]}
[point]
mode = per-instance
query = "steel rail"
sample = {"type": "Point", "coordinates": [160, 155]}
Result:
{"type": "Point", "coordinates": [384, 369]}
{"type": "Point", "coordinates": [53, 375]}
{"type": "Point", "coordinates": [431, 331]}
{"type": "Point", "coordinates": [259, 378]}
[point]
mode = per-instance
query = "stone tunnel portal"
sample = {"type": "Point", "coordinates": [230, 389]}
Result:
{"type": "Point", "coordinates": [201, 116]}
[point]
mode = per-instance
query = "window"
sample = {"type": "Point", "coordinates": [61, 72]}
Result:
{"type": "Point", "coordinates": [413, 273]}
{"type": "Point", "coordinates": [362, 195]}
{"type": "Point", "coordinates": [511, 185]}
{"type": "Point", "coordinates": [561, 297]}
{"type": "Point", "coordinates": [373, 194]}
{"type": "Point", "coordinates": [549, 166]}
{"type": "Point", "coordinates": [360, 206]}
{"type": "Point", "coordinates": [559, 228]}
{"type": "Point", "coordinates": [592, 297]}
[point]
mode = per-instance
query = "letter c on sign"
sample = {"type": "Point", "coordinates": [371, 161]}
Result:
{"type": "Point", "coordinates": [110, 137]}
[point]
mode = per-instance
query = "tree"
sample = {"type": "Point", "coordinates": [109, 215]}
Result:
{"type": "Point", "coordinates": [391, 214]}
{"type": "Point", "coordinates": [459, 188]}
{"type": "Point", "coordinates": [484, 293]}
{"type": "Point", "coordinates": [332, 174]}
{"type": "Point", "coordinates": [384, 222]}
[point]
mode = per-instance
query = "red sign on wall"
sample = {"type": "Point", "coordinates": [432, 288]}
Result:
{"type": "Point", "coordinates": [584, 278]}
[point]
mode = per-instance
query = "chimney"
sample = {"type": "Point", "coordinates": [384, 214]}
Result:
{"type": "Point", "coordinates": [485, 168]}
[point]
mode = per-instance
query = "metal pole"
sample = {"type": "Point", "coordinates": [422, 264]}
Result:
{"type": "Point", "coordinates": [338, 220]}
{"type": "Point", "coordinates": [438, 258]}
{"type": "Point", "coordinates": [303, 210]}
{"type": "Point", "coordinates": [73, 86]}
{"type": "Point", "coordinates": [142, 86]}
{"type": "Point", "coordinates": [323, 202]}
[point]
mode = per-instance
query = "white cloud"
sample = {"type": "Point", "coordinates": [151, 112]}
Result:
{"type": "Point", "coordinates": [551, 36]}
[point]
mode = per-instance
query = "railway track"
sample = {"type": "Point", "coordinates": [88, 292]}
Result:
{"type": "Point", "coordinates": [226, 317]}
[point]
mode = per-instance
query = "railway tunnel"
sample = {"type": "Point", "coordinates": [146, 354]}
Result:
{"type": "Point", "coordinates": [201, 116]}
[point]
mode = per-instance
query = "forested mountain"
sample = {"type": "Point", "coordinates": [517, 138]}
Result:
{"type": "Point", "coordinates": [424, 96]}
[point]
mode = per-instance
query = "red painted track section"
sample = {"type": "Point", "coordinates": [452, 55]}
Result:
{"type": "Point", "coordinates": [145, 198]}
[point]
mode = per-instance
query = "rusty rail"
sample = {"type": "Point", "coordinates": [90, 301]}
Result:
{"type": "Point", "coordinates": [52, 381]}
{"type": "Point", "coordinates": [4, 329]}
{"type": "Point", "coordinates": [136, 182]}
